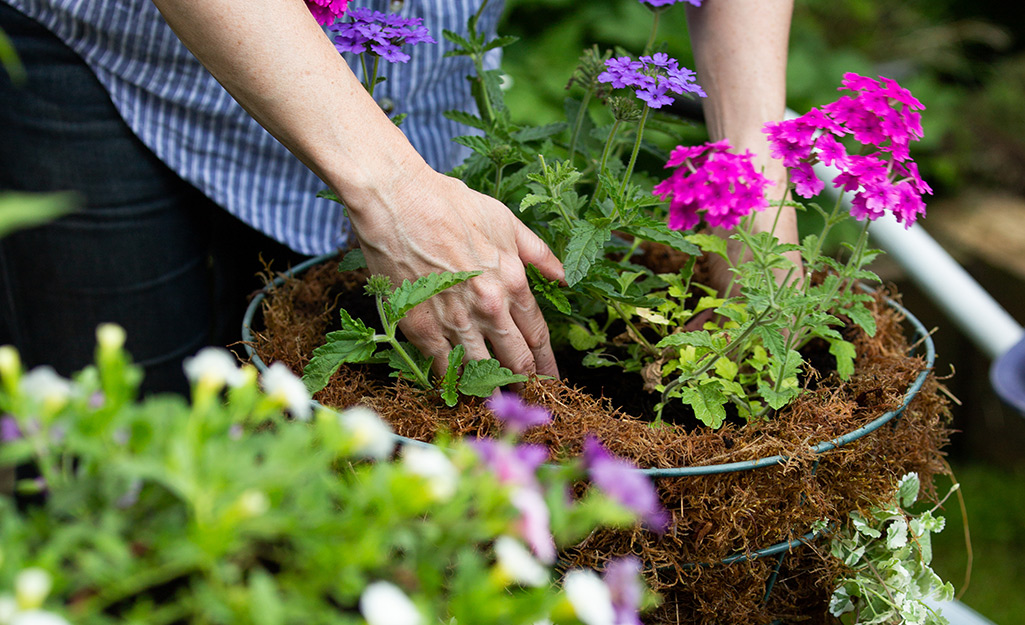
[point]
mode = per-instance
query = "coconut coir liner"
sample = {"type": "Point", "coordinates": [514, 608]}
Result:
{"type": "Point", "coordinates": [714, 517]}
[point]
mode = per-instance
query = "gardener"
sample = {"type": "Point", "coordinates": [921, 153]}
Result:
{"type": "Point", "coordinates": [118, 109]}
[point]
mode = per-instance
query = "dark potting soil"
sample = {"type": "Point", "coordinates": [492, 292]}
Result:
{"type": "Point", "coordinates": [714, 516]}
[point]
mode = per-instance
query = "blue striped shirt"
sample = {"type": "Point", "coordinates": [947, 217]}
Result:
{"type": "Point", "coordinates": [194, 126]}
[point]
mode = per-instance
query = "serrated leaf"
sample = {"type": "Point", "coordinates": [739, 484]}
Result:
{"type": "Point", "coordinates": [353, 324]}
{"type": "Point", "coordinates": [500, 42]}
{"type": "Point", "coordinates": [450, 383]}
{"type": "Point", "coordinates": [726, 368]}
{"type": "Point", "coordinates": [587, 242]}
{"type": "Point", "coordinates": [662, 235]}
{"type": "Point", "coordinates": [696, 339]}
{"type": "Point", "coordinates": [709, 243]}
{"type": "Point", "coordinates": [863, 317]}
{"type": "Point", "coordinates": [408, 294]}
{"type": "Point", "coordinates": [353, 260]}
{"type": "Point", "coordinates": [457, 39]}
{"type": "Point", "coordinates": [481, 377]}
{"type": "Point", "coordinates": [466, 119]}
{"type": "Point", "coordinates": [844, 353]}
{"type": "Point", "coordinates": [342, 346]}
{"type": "Point", "coordinates": [708, 403]}
{"type": "Point", "coordinates": [581, 339]}
{"type": "Point", "coordinates": [549, 289]}
{"type": "Point", "coordinates": [478, 144]}
{"type": "Point", "coordinates": [401, 369]}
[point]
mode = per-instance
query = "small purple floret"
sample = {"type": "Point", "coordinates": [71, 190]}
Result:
{"type": "Point", "coordinates": [517, 415]}
{"type": "Point", "coordinates": [381, 34]}
{"type": "Point", "coordinates": [652, 78]}
{"type": "Point", "coordinates": [621, 481]}
{"type": "Point", "coordinates": [9, 430]}
{"type": "Point", "coordinates": [623, 577]}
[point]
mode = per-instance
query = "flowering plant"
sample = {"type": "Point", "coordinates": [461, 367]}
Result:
{"type": "Point", "coordinates": [225, 510]}
{"type": "Point", "coordinates": [595, 189]}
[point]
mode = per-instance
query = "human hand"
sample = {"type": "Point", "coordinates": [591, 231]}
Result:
{"type": "Point", "coordinates": [432, 223]}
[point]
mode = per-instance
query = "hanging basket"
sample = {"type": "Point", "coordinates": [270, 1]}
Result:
{"type": "Point", "coordinates": [744, 499]}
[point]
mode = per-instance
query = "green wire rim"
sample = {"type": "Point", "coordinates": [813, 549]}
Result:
{"type": "Point", "coordinates": [921, 334]}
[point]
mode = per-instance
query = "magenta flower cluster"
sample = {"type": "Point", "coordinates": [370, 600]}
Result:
{"type": "Point", "coordinates": [381, 34]}
{"type": "Point", "coordinates": [621, 481]}
{"type": "Point", "coordinates": [714, 182]}
{"type": "Point", "coordinates": [652, 78]}
{"type": "Point", "coordinates": [327, 11]}
{"type": "Point", "coordinates": [883, 117]}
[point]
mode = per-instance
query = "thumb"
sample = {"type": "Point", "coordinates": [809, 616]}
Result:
{"type": "Point", "coordinates": [533, 251]}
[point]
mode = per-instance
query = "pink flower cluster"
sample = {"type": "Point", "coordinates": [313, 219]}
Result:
{"type": "Point", "coordinates": [710, 179]}
{"type": "Point", "coordinates": [327, 11]}
{"type": "Point", "coordinates": [881, 115]}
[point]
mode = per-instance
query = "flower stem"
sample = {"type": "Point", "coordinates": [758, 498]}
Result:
{"type": "Point", "coordinates": [633, 329]}
{"type": "Point", "coordinates": [581, 113]}
{"type": "Point", "coordinates": [389, 337]}
{"type": "Point", "coordinates": [654, 30]}
{"type": "Point", "coordinates": [633, 155]}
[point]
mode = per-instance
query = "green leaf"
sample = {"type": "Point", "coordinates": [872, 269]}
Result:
{"type": "Point", "coordinates": [408, 295]}
{"type": "Point", "coordinates": [342, 346]}
{"type": "Point", "coordinates": [401, 369]}
{"type": "Point", "coordinates": [25, 210]}
{"type": "Point", "coordinates": [863, 317]}
{"type": "Point", "coordinates": [536, 133]}
{"type": "Point", "coordinates": [907, 489]}
{"type": "Point", "coordinates": [481, 377]}
{"type": "Point", "coordinates": [500, 42]}
{"type": "Point", "coordinates": [726, 368]}
{"type": "Point", "coordinates": [581, 338]}
{"type": "Point", "coordinates": [709, 243]}
{"type": "Point", "coordinates": [844, 353]}
{"type": "Point", "coordinates": [697, 339]}
{"type": "Point", "coordinates": [328, 194]}
{"type": "Point", "coordinates": [353, 260]}
{"type": "Point", "coordinates": [663, 235]}
{"type": "Point", "coordinates": [549, 289]}
{"type": "Point", "coordinates": [587, 242]}
{"type": "Point", "coordinates": [466, 119]}
{"type": "Point", "coordinates": [457, 39]}
{"type": "Point", "coordinates": [265, 605]}
{"type": "Point", "coordinates": [772, 339]}
{"type": "Point", "coordinates": [450, 383]}
{"type": "Point", "coordinates": [708, 403]}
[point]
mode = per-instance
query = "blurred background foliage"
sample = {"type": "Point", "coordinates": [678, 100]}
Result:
{"type": "Point", "coordinates": [966, 62]}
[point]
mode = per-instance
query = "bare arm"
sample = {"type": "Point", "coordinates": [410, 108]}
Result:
{"type": "Point", "coordinates": [740, 48]}
{"type": "Point", "coordinates": [410, 220]}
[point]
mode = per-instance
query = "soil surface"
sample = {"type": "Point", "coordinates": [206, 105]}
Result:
{"type": "Point", "coordinates": [714, 516]}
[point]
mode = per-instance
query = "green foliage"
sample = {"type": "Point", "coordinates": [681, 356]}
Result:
{"type": "Point", "coordinates": [24, 210]}
{"type": "Point", "coordinates": [224, 510]}
{"type": "Point", "coordinates": [888, 554]}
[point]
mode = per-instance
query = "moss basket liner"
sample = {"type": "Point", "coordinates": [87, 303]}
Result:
{"type": "Point", "coordinates": [743, 498]}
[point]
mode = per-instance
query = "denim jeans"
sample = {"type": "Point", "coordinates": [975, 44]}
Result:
{"type": "Point", "coordinates": [143, 249]}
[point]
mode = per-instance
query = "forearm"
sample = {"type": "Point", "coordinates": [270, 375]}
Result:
{"type": "Point", "coordinates": [740, 50]}
{"type": "Point", "coordinates": [274, 59]}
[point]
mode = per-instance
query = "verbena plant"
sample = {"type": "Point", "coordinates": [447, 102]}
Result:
{"type": "Point", "coordinates": [587, 187]}
{"type": "Point", "coordinates": [224, 510]}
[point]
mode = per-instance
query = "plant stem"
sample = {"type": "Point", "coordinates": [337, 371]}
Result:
{"type": "Point", "coordinates": [633, 155]}
{"type": "Point", "coordinates": [633, 329]}
{"type": "Point", "coordinates": [608, 148]}
{"type": "Point", "coordinates": [389, 337]}
{"type": "Point", "coordinates": [654, 30]}
{"type": "Point", "coordinates": [581, 113]}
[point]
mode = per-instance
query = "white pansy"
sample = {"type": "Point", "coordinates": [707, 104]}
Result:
{"type": "Point", "coordinates": [214, 366]}
{"type": "Point", "coordinates": [383, 603]}
{"type": "Point", "coordinates": [44, 383]}
{"type": "Point", "coordinates": [589, 596]}
{"type": "Point", "coordinates": [8, 608]}
{"type": "Point", "coordinates": [372, 437]}
{"type": "Point", "coordinates": [518, 563]}
{"type": "Point", "coordinates": [110, 336]}
{"type": "Point", "coordinates": [38, 617]}
{"type": "Point", "coordinates": [434, 466]}
{"type": "Point", "coordinates": [281, 385]}
{"type": "Point", "coordinates": [31, 587]}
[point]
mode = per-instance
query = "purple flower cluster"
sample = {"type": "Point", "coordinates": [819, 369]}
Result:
{"type": "Point", "coordinates": [664, 3]}
{"type": "Point", "coordinates": [710, 179]}
{"type": "Point", "coordinates": [516, 467]}
{"type": "Point", "coordinates": [327, 11]}
{"type": "Point", "coordinates": [621, 481]}
{"type": "Point", "coordinates": [517, 415]}
{"type": "Point", "coordinates": [381, 34]}
{"type": "Point", "coordinates": [880, 114]}
{"type": "Point", "coordinates": [623, 578]}
{"type": "Point", "coordinates": [651, 78]}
